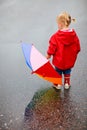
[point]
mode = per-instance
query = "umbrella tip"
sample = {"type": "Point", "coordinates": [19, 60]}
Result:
{"type": "Point", "coordinates": [32, 72]}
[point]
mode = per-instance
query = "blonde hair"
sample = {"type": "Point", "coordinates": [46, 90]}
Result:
{"type": "Point", "coordinates": [65, 18]}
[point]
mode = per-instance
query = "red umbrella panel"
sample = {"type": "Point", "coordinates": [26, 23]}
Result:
{"type": "Point", "coordinates": [39, 64]}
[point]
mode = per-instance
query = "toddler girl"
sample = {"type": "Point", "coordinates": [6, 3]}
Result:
{"type": "Point", "coordinates": [64, 46]}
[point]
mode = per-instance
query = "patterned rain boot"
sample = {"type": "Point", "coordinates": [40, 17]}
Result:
{"type": "Point", "coordinates": [66, 81]}
{"type": "Point", "coordinates": [57, 86]}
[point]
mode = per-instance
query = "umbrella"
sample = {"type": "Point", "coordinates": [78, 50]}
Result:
{"type": "Point", "coordinates": [39, 64]}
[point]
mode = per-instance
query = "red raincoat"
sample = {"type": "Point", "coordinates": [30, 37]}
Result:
{"type": "Point", "coordinates": [64, 46]}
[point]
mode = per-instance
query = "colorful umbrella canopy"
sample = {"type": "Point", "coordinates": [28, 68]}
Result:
{"type": "Point", "coordinates": [39, 64]}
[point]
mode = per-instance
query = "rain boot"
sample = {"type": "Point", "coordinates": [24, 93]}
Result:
{"type": "Point", "coordinates": [57, 86]}
{"type": "Point", "coordinates": [66, 81]}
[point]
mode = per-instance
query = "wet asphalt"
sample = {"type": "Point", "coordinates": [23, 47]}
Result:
{"type": "Point", "coordinates": [26, 101]}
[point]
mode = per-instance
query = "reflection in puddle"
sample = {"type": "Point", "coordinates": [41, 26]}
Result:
{"type": "Point", "coordinates": [50, 109]}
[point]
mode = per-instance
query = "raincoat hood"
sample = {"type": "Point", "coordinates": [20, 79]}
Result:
{"type": "Point", "coordinates": [67, 37]}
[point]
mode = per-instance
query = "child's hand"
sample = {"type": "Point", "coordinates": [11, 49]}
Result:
{"type": "Point", "coordinates": [48, 56]}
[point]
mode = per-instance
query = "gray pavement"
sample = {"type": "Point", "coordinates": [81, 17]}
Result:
{"type": "Point", "coordinates": [27, 102]}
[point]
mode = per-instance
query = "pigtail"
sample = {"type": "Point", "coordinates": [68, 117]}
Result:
{"type": "Point", "coordinates": [73, 20]}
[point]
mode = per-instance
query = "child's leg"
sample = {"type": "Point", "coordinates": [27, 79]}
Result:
{"type": "Point", "coordinates": [59, 71]}
{"type": "Point", "coordinates": [67, 74]}
{"type": "Point", "coordinates": [58, 86]}
{"type": "Point", "coordinates": [67, 79]}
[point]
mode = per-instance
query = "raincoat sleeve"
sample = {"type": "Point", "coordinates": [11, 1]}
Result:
{"type": "Point", "coordinates": [78, 44]}
{"type": "Point", "coordinates": [52, 46]}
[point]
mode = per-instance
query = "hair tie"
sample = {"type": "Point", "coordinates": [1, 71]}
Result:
{"type": "Point", "coordinates": [73, 20]}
